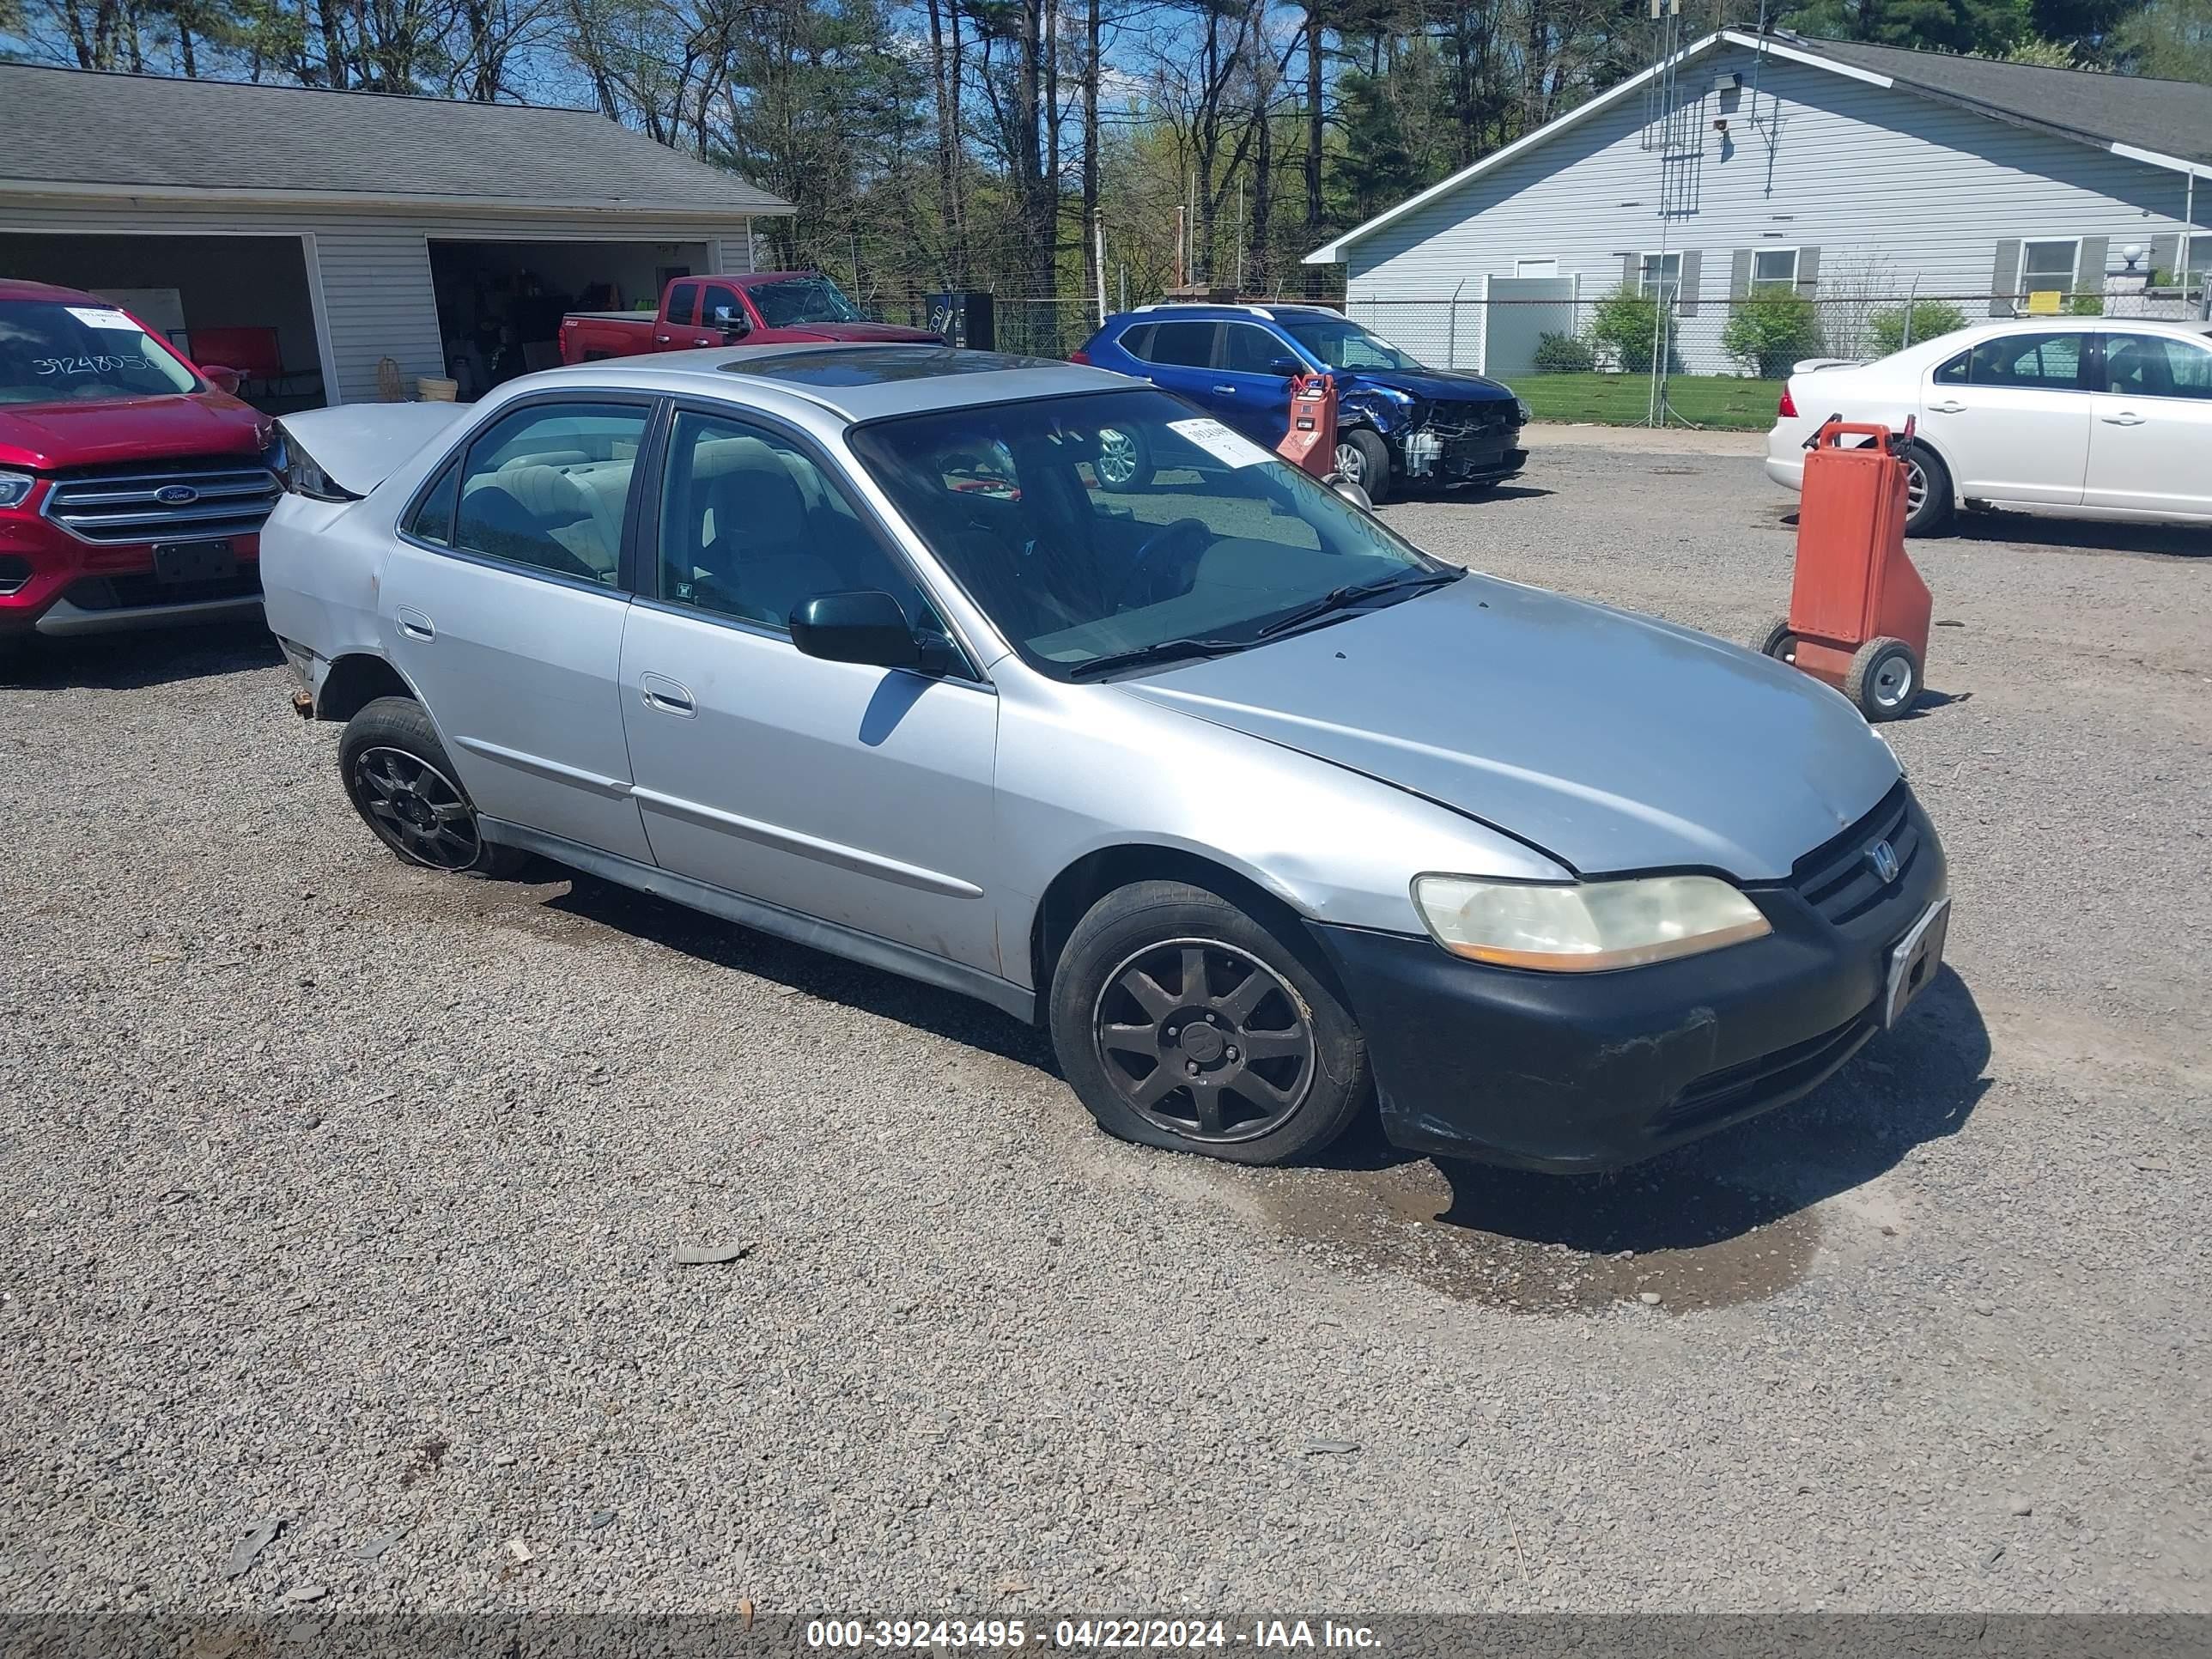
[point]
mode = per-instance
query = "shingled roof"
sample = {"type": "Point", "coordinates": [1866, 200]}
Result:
{"type": "Point", "coordinates": [2171, 118]}
{"type": "Point", "coordinates": [228, 139]}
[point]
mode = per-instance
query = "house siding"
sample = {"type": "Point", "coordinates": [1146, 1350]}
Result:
{"type": "Point", "coordinates": [1896, 190]}
{"type": "Point", "coordinates": [376, 297]}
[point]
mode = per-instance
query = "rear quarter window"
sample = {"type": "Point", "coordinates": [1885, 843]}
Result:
{"type": "Point", "coordinates": [1138, 340]}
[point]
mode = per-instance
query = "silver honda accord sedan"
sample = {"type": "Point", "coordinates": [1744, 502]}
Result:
{"type": "Point", "coordinates": [1263, 812]}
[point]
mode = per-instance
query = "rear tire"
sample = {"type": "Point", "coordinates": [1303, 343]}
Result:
{"type": "Point", "coordinates": [1930, 480]}
{"type": "Point", "coordinates": [398, 778]}
{"type": "Point", "coordinates": [1362, 458]}
{"type": "Point", "coordinates": [1182, 1022]}
{"type": "Point", "coordinates": [1884, 679]}
{"type": "Point", "coordinates": [1124, 461]}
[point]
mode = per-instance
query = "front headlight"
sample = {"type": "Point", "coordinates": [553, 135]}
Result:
{"type": "Point", "coordinates": [15, 488]}
{"type": "Point", "coordinates": [1521, 408]}
{"type": "Point", "coordinates": [1583, 928]}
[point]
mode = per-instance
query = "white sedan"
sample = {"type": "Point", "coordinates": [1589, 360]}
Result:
{"type": "Point", "coordinates": [2085, 417]}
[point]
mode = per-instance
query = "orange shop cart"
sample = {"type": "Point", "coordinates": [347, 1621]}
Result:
{"type": "Point", "coordinates": [1858, 610]}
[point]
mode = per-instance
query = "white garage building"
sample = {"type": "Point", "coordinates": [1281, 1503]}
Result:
{"type": "Point", "coordinates": [336, 229]}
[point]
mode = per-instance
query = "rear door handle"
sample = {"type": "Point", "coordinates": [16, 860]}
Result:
{"type": "Point", "coordinates": [667, 696]}
{"type": "Point", "coordinates": [2125, 417]}
{"type": "Point", "coordinates": [1947, 409]}
{"type": "Point", "coordinates": [414, 624]}
{"type": "Point", "coordinates": [1225, 391]}
{"type": "Point", "coordinates": [660, 339]}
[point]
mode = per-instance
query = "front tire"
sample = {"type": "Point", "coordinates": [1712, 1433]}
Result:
{"type": "Point", "coordinates": [1362, 458]}
{"type": "Point", "coordinates": [399, 777]}
{"type": "Point", "coordinates": [1182, 1022]}
{"type": "Point", "coordinates": [1927, 490]}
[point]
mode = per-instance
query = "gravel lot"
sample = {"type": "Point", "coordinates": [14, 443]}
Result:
{"type": "Point", "coordinates": [343, 1195]}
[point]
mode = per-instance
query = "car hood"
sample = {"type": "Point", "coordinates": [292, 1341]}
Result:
{"type": "Point", "coordinates": [48, 436]}
{"type": "Point", "coordinates": [1613, 742]}
{"type": "Point", "coordinates": [868, 331]}
{"type": "Point", "coordinates": [1437, 385]}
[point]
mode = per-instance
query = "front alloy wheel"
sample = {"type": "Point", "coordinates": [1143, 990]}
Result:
{"type": "Point", "coordinates": [1181, 1020]}
{"type": "Point", "coordinates": [1203, 1041]}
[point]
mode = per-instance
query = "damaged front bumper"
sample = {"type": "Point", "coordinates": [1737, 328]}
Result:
{"type": "Point", "coordinates": [1576, 1073]}
{"type": "Point", "coordinates": [1436, 442]}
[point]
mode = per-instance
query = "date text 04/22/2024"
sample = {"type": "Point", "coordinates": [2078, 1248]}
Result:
{"type": "Point", "coordinates": [1170, 1635]}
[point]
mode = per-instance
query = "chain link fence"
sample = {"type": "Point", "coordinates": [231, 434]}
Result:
{"type": "Point", "coordinates": [1758, 335]}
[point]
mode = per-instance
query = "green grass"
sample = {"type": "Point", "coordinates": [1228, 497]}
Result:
{"type": "Point", "coordinates": [1714, 400]}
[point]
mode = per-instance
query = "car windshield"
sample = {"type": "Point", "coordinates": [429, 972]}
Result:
{"type": "Point", "coordinates": [1094, 527]}
{"type": "Point", "coordinates": [56, 353]}
{"type": "Point", "coordinates": [1342, 343]}
{"type": "Point", "coordinates": [804, 300]}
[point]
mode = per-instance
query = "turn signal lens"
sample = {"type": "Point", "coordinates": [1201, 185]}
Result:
{"type": "Point", "coordinates": [1584, 927]}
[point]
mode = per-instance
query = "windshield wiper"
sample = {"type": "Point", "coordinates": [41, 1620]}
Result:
{"type": "Point", "coordinates": [1158, 651]}
{"type": "Point", "coordinates": [1350, 597]}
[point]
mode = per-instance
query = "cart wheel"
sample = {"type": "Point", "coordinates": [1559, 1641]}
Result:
{"type": "Point", "coordinates": [1884, 679]}
{"type": "Point", "coordinates": [1779, 643]}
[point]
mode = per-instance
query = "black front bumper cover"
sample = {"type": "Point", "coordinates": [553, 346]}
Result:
{"type": "Point", "coordinates": [1572, 1073]}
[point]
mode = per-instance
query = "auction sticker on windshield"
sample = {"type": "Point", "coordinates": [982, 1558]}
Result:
{"type": "Point", "coordinates": [101, 317]}
{"type": "Point", "coordinates": [1218, 441]}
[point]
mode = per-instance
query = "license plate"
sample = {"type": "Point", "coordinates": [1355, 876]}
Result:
{"type": "Point", "coordinates": [1914, 959]}
{"type": "Point", "coordinates": [194, 561]}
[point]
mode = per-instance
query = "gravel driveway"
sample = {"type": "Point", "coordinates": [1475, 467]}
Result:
{"type": "Point", "coordinates": [344, 1196]}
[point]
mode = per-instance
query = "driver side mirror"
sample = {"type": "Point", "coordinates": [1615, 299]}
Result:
{"type": "Point", "coordinates": [867, 626]}
{"type": "Point", "coordinates": [1289, 367]}
{"type": "Point", "coordinates": [222, 378]}
{"type": "Point", "coordinates": [732, 323]}
{"type": "Point", "coordinates": [1353, 493]}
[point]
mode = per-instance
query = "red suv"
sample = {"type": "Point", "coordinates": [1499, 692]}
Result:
{"type": "Point", "coordinates": [132, 485]}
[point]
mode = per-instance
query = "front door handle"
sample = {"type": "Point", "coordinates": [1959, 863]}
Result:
{"type": "Point", "coordinates": [1947, 409]}
{"type": "Point", "coordinates": [2125, 417]}
{"type": "Point", "coordinates": [414, 624]}
{"type": "Point", "coordinates": [1225, 391]}
{"type": "Point", "coordinates": [702, 340]}
{"type": "Point", "coordinates": [667, 696]}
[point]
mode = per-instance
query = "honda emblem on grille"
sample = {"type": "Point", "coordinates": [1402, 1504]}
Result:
{"type": "Point", "coordinates": [1883, 858]}
{"type": "Point", "coordinates": [176, 494]}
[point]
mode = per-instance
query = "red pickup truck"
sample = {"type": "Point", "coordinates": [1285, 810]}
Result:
{"type": "Point", "coordinates": [132, 483]}
{"type": "Point", "coordinates": [766, 307]}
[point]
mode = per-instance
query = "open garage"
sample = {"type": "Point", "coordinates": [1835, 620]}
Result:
{"type": "Point", "coordinates": [356, 241]}
{"type": "Point", "coordinates": [500, 303]}
{"type": "Point", "coordinates": [241, 301]}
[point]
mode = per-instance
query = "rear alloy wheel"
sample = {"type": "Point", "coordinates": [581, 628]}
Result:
{"type": "Point", "coordinates": [1122, 462]}
{"type": "Point", "coordinates": [400, 781]}
{"type": "Point", "coordinates": [1183, 1023]}
{"type": "Point", "coordinates": [1883, 679]}
{"type": "Point", "coordinates": [1362, 458]}
{"type": "Point", "coordinates": [1927, 491]}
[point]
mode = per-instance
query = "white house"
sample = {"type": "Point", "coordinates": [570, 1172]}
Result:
{"type": "Point", "coordinates": [353, 225]}
{"type": "Point", "coordinates": [1859, 175]}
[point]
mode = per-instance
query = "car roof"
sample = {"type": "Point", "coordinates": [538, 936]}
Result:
{"type": "Point", "coordinates": [2062, 324]}
{"type": "Point", "coordinates": [1175, 310]}
{"type": "Point", "coordinates": [856, 382]}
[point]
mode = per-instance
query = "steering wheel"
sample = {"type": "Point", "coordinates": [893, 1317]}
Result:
{"type": "Point", "coordinates": [1166, 564]}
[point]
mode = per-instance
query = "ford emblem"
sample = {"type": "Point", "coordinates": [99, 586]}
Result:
{"type": "Point", "coordinates": [176, 494]}
{"type": "Point", "coordinates": [1883, 858]}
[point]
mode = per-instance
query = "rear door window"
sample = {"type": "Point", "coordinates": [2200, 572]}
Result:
{"type": "Point", "coordinates": [1183, 345]}
{"type": "Point", "coordinates": [2034, 362]}
{"type": "Point", "coordinates": [548, 487]}
{"type": "Point", "coordinates": [681, 300]}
